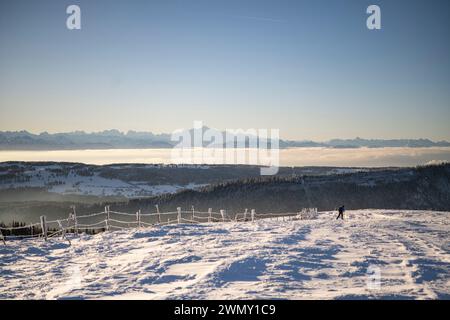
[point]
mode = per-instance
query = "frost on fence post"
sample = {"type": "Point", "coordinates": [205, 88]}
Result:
{"type": "Point", "coordinates": [245, 214]}
{"type": "Point", "coordinates": [253, 215]}
{"type": "Point", "coordinates": [75, 221]}
{"type": "Point", "coordinates": [107, 217]}
{"type": "Point", "coordinates": [138, 218]}
{"type": "Point", "coordinates": [179, 214]}
{"type": "Point", "coordinates": [222, 213]}
{"type": "Point", "coordinates": [44, 227]}
{"type": "Point", "coordinates": [209, 214]}
{"type": "Point", "coordinates": [2, 238]}
{"type": "Point", "coordinates": [159, 214]}
{"type": "Point", "coordinates": [63, 231]}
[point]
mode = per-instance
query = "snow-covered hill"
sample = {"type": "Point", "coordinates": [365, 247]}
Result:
{"type": "Point", "coordinates": [268, 259]}
{"type": "Point", "coordinates": [79, 179]}
{"type": "Point", "coordinates": [129, 180]}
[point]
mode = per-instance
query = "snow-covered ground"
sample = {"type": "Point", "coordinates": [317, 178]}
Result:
{"type": "Point", "coordinates": [267, 259]}
{"type": "Point", "coordinates": [94, 185]}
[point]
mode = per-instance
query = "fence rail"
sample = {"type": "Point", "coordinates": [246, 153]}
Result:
{"type": "Point", "coordinates": [71, 225]}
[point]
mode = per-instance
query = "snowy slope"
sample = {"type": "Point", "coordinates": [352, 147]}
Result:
{"type": "Point", "coordinates": [267, 259]}
{"type": "Point", "coordinates": [73, 183]}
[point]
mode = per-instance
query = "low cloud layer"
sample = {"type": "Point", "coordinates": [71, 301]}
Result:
{"type": "Point", "coordinates": [362, 157]}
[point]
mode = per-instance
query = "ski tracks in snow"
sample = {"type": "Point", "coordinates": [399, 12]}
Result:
{"type": "Point", "coordinates": [268, 259]}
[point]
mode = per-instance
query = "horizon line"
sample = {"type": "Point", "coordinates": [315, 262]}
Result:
{"type": "Point", "coordinates": [126, 132]}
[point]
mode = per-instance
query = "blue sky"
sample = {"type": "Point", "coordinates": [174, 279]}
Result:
{"type": "Point", "coordinates": [310, 68]}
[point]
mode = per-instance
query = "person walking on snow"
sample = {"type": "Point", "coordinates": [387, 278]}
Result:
{"type": "Point", "coordinates": [341, 212]}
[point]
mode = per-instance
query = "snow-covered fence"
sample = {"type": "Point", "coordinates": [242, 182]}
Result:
{"type": "Point", "coordinates": [44, 227]}
{"type": "Point", "coordinates": [74, 217]}
{"type": "Point", "coordinates": [108, 220]}
{"type": "Point", "coordinates": [138, 218]}
{"type": "Point", "coordinates": [157, 211]}
{"type": "Point", "coordinates": [1, 237]}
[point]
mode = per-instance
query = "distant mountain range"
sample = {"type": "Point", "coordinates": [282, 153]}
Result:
{"type": "Point", "coordinates": [114, 139]}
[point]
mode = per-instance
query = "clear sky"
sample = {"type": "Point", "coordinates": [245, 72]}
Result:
{"type": "Point", "coordinates": [310, 68]}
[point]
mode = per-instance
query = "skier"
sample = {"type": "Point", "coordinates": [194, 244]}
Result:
{"type": "Point", "coordinates": [341, 212]}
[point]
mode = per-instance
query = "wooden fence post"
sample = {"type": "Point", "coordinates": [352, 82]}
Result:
{"type": "Point", "coordinates": [107, 217]}
{"type": "Point", "coordinates": [193, 213]}
{"type": "Point", "coordinates": [138, 218]}
{"type": "Point", "coordinates": [63, 231]}
{"type": "Point", "coordinates": [159, 214]}
{"type": "Point", "coordinates": [253, 215]}
{"type": "Point", "coordinates": [209, 214]}
{"type": "Point", "coordinates": [3, 238]}
{"type": "Point", "coordinates": [222, 213]}
{"type": "Point", "coordinates": [75, 221]}
{"type": "Point", "coordinates": [179, 214]}
{"type": "Point", "coordinates": [44, 227]}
